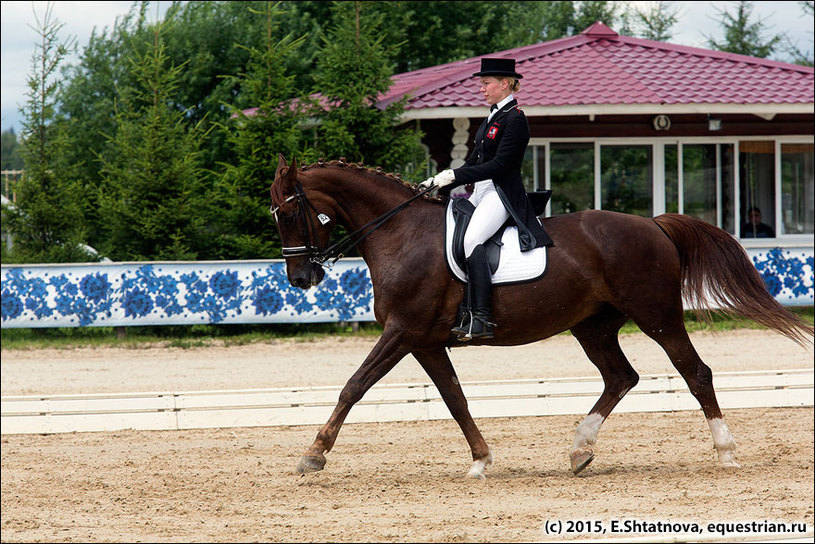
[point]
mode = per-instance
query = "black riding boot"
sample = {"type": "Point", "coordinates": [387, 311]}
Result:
{"type": "Point", "coordinates": [477, 322]}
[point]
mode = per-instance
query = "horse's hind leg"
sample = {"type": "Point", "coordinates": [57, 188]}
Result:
{"type": "Point", "coordinates": [438, 366]}
{"type": "Point", "coordinates": [676, 343]}
{"type": "Point", "coordinates": [598, 337]}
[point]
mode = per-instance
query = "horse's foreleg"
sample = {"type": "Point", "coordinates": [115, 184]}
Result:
{"type": "Point", "coordinates": [438, 366]}
{"type": "Point", "coordinates": [598, 337]}
{"type": "Point", "coordinates": [383, 357]}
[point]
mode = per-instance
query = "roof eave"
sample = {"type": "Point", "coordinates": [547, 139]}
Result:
{"type": "Point", "coordinates": [766, 111]}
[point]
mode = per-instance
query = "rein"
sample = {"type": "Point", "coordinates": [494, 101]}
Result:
{"type": "Point", "coordinates": [335, 251]}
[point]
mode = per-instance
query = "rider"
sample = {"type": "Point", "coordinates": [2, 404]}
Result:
{"type": "Point", "coordinates": [494, 167]}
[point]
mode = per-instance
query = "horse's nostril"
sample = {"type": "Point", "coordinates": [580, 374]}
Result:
{"type": "Point", "coordinates": [300, 282]}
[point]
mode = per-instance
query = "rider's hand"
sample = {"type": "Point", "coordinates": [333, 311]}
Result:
{"type": "Point", "coordinates": [445, 177]}
{"type": "Point", "coordinates": [427, 183]}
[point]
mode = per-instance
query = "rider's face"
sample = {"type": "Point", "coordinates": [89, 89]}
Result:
{"type": "Point", "coordinates": [493, 89]}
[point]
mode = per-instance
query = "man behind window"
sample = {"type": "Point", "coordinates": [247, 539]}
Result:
{"type": "Point", "coordinates": [754, 228]}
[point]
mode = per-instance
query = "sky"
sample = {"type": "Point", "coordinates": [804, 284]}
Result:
{"type": "Point", "coordinates": [697, 22]}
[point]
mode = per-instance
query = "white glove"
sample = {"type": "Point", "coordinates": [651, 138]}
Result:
{"type": "Point", "coordinates": [427, 183]}
{"type": "Point", "coordinates": [445, 177]}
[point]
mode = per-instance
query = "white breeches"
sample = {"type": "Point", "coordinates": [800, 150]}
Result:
{"type": "Point", "coordinates": [488, 217]}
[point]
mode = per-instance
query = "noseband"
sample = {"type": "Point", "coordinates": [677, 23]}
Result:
{"type": "Point", "coordinates": [335, 251]}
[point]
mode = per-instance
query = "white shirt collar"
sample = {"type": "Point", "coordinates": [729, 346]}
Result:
{"type": "Point", "coordinates": [500, 105]}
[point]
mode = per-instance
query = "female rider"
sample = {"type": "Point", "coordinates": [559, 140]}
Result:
{"type": "Point", "coordinates": [494, 168]}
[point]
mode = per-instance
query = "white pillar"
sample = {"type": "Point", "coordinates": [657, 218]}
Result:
{"type": "Point", "coordinates": [460, 137]}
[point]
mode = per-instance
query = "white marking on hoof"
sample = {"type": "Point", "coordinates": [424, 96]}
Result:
{"type": "Point", "coordinates": [477, 470]}
{"type": "Point", "coordinates": [586, 434]}
{"type": "Point", "coordinates": [723, 440]}
{"type": "Point", "coordinates": [580, 459]}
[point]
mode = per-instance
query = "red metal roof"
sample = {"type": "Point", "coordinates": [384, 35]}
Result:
{"type": "Point", "coordinates": [601, 67]}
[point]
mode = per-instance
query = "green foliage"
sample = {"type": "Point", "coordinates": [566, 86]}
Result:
{"type": "Point", "coordinates": [655, 21]}
{"type": "Point", "coordinates": [151, 182]}
{"type": "Point", "coordinates": [802, 56]}
{"type": "Point", "coordinates": [742, 36]}
{"type": "Point", "coordinates": [180, 336]}
{"type": "Point", "coordinates": [153, 201]}
{"type": "Point", "coordinates": [11, 159]}
{"type": "Point", "coordinates": [89, 100]}
{"type": "Point", "coordinates": [46, 223]}
{"type": "Point", "coordinates": [353, 69]}
{"type": "Point", "coordinates": [255, 139]}
{"type": "Point", "coordinates": [590, 12]}
{"type": "Point", "coordinates": [187, 336]}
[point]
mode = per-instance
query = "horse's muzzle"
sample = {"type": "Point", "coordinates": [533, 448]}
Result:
{"type": "Point", "coordinates": [307, 276]}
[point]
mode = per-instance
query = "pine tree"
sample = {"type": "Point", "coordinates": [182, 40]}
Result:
{"type": "Point", "coordinates": [655, 22]}
{"type": "Point", "coordinates": [353, 70]}
{"type": "Point", "coordinates": [742, 36]}
{"type": "Point", "coordinates": [256, 136]}
{"type": "Point", "coordinates": [804, 57]}
{"type": "Point", "coordinates": [45, 225]}
{"type": "Point", "coordinates": [153, 192]}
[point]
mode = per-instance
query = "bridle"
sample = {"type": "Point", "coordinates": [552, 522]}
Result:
{"type": "Point", "coordinates": [335, 251]}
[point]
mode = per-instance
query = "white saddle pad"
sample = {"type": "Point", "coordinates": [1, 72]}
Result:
{"type": "Point", "coordinates": [515, 266]}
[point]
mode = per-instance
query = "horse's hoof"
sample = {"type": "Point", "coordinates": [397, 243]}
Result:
{"type": "Point", "coordinates": [311, 463]}
{"type": "Point", "coordinates": [580, 459]}
{"type": "Point", "coordinates": [477, 470]}
{"type": "Point", "coordinates": [726, 459]}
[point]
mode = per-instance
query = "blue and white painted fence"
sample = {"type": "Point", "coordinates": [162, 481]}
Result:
{"type": "Point", "coordinates": [179, 293]}
{"type": "Point", "coordinates": [186, 293]}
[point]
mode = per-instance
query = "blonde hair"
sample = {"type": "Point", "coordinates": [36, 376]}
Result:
{"type": "Point", "coordinates": [514, 84]}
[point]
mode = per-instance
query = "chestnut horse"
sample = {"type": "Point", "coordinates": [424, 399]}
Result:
{"type": "Point", "coordinates": [604, 269]}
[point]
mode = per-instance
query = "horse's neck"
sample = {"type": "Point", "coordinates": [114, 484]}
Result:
{"type": "Point", "coordinates": [361, 197]}
{"type": "Point", "coordinates": [364, 197]}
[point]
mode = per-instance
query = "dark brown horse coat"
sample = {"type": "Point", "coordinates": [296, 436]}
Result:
{"type": "Point", "coordinates": [606, 268]}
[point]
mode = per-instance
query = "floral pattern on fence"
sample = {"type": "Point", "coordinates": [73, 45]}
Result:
{"type": "Point", "coordinates": [785, 274]}
{"type": "Point", "coordinates": [179, 293]}
{"type": "Point", "coordinates": [251, 292]}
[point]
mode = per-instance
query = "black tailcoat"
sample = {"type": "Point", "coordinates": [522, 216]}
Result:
{"type": "Point", "coordinates": [498, 154]}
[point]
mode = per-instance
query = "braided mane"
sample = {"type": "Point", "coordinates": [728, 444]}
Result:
{"type": "Point", "coordinates": [378, 172]}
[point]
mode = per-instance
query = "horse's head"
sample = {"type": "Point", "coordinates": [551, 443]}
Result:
{"type": "Point", "coordinates": [304, 223]}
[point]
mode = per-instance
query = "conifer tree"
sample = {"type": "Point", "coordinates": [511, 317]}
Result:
{"type": "Point", "coordinates": [153, 196]}
{"type": "Point", "coordinates": [353, 71]}
{"type": "Point", "coordinates": [256, 136]}
{"type": "Point", "coordinates": [45, 224]}
{"type": "Point", "coordinates": [655, 21]}
{"type": "Point", "coordinates": [742, 36]}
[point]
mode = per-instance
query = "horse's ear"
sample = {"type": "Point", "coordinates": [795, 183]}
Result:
{"type": "Point", "coordinates": [284, 174]}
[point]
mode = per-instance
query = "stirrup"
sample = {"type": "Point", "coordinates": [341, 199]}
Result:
{"type": "Point", "coordinates": [486, 328]}
{"type": "Point", "coordinates": [463, 328]}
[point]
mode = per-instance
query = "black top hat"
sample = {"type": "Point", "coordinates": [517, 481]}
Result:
{"type": "Point", "coordinates": [498, 67]}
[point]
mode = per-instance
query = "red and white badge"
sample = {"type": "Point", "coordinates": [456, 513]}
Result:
{"type": "Point", "coordinates": [492, 132]}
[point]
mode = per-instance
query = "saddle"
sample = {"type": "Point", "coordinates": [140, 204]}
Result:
{"type": "Point", "coordinates": [526, 266]}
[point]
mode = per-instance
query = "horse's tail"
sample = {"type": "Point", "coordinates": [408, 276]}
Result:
{"type": "Point", "coordinates": [717, 273]}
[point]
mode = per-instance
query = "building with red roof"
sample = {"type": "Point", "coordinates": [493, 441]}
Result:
{"type": "Point", "coordinates": [642, 127]}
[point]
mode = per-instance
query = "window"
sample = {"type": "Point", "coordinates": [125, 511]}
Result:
{"type": "Point", "coordinates": [757, 189]}
{"type": "Point", "coordinates": [773, 196]}
{"type": "Point", "coordinates": [727, 183]}
{"type": "Point", "coordinates": [797, 188]}
{"type": "Point", "coordinates": [671, 179]}
{"type": "Point", "coordinates": [528, 169]}
{"type": "Point", "coordinates": [572, 177]}
{"type": "Point", "coordinates": [699, 181]}
{"type": "Point", "coordinates": [626, 179]}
